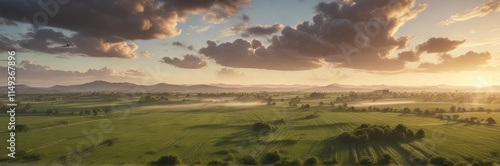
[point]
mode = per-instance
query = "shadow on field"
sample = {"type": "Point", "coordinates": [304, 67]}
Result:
{"type": "Point", "coordinates": [403, 153]}
{"type": "Point", "coordinates": [334, 125]}
{"type": "Point", "coordinates": [218, 126]}
{"type": "Point", "coordinates": [234, 138]}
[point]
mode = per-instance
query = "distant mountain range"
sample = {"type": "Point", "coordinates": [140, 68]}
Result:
{"type": "Point", "coordinates": [103, 86]}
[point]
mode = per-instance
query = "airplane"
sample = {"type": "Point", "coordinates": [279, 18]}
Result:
{"type": "Point", "coordinates": [68, 45]}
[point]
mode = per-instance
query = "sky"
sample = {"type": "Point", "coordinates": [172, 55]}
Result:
{"type": "Point", "coordinates": [248, 42]}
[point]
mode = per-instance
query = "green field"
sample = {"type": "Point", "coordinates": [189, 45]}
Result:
{"type": "Point", "coordinates": [201, 131]}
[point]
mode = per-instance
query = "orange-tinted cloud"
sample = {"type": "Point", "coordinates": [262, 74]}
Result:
{"type": "Point", "coordinates": [50, 41]}
{"type": "Point", "coordinates": [468, 61]}
{"type": "Point", "coordinates": [479, 11]}
{"type": "Point", "coordinates": [438, 45]}
{"type": "Point", "coordinates": [357, 35]}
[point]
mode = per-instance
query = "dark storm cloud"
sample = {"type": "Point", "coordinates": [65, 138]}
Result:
{"type": "Point", "coordinates": [180, 44]}
{"type": "Point", "coordinates": [468, 61]}
{"type": "Point", "coordinates": [50, 41]}
{"type": "Point", "coordinates": [263, 30]}
{"type": "Point", "coordinates": [438, 45]}
{"type": "Point", "coordinates": [358, 34]}
{"type": "Point", "coordinates": [103, 26]}
{"type": "Point", "coordinates": [188, 62]}
{"type": "Point", "coordinates": [124, 20]}
{"type": "Point", "coordinates": [241, 54]}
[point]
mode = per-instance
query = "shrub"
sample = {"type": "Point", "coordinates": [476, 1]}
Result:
{"type": "Point", "coordinates": [110, 142]}
{"type": "Point", "coordinates": [386, 159]}
{"type": "Point", "coordinates": [64, 122]}
{"type": "Point", "coordinates": [440, 161]}
{"type": "Point", "coordinates": [311, 161]}
{"type": "Point", "coordinates": [294, 162]}
{"type": "Point", "coordinates": [419, 161]}
{"type": "Point", "coordinates": [312, 116]}
{"type": "Point", "coordinates": [483, 163]}
{"type": "Point", "coordinates": [262, 127]}
{"type": "Point", "coordinates": [249, 160]}
{"type": "Point", "coordinates": [215, 163]}
{"type": "Point", "coordinates": [272, 157]}
{"type": "Point", "coordinates": [420, 134]}
{"type": "Point", "coordinates": [168, 160]}
{"type": "Point", "coordinates": [332, 161]}
{"type": "Point", "coordinates": [21, 128]}
{"type": "Point", "coordinates": [224, 151]}
{"type": "Point", "coordinates": [229, 157]}
{"type": "Point", "coordinates": [365, 161]}
{"type": "Point", "coordinates": [32, 156]}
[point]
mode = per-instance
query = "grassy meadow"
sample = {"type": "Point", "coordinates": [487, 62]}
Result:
{"type": "Point", "coordinates": [199, 131]}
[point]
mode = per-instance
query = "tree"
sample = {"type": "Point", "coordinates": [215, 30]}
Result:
{"type": "Point", "coordinates": [386, 159]}
{"type": "Point", "coordinates": [249, 160]}
{"type": "Point", "coordinates": [107, 110]}
{"type": "Point", "coordinates": [420, 134]}
{"type": "Point", "coordinates": [262, 127]}
{"type": "Point", "coordinates": [491, 121]}
{"type": "Point", "coordinates": [168, 160]}
{"type": "Point", "coordinates": [311, 161]}
{"type": "Point", "coordinates": [453, 109]}
{"type": "Point", "coordinates": [440, 161]}
{"type": "Point", "coordinates": [365, 161]}
{"type": "Point", "coordinates": [272, 157]}
{"type": "Point", "coordinates": [49, 112]}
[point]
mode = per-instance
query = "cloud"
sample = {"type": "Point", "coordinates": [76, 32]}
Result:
{"type": "Point", "coordinates": [358, 35]}
{"type": "Point", "coordinates": [229, 73]}
{"type": "Point", "coordinates": [124, 20]}
{"type": "Point", "coordinates": [245, 17]}
{"type": "Point", "coordinates": [179, 44]}
{"type": "Point", "coordinates": [188, 62]}
{"type": "Point", "coordinates": [234, 29]}
{"type": "Point", "coordinates": [262, 30]}
{"type": "Point", "coordinates": [5, 44]}
{"type": "Point", "coordinates": [438, 45]}
{"type": "Point", "coordinates": [468, 61]}
{"type": "Point", "coordinates": [7, 22]}
{"type": "Point", "coordinates": [146, 54]}
{"type": "Point", "coordinates": [242, 54]}
{"type": "Point", "coordinates": [32, 73]}
{"type": "Point", "coordinates": [50, 41]}
{"type": "Point", "coordinates": [479, 11]}
{"type": "Point", "coordinates": [200, 29]}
